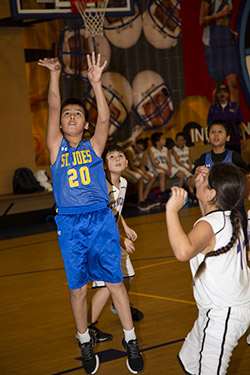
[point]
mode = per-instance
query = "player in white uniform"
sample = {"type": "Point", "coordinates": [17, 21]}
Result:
{"type": "Point", "coordinates": [114, 163]}
{"type": "Point", "coordinates": [159, 163]}
{"type": "Point", "coordinates": [248, 252]}
{"type": "Point", "coordinates": [180, 158]}
{"type": "Point", "coordinates": [137, 174]}
{"type": "Point", "coordinates": [221, 278]}
{"type": "Point", "coordinates": [181, 155]}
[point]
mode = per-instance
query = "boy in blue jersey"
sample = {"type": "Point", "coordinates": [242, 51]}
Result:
{"type": "Point", "coordinates": [218, 136]}
{"type": "Point", "coordinates": [218, 132]}
{"type": "Point", "coordinates": [87, 232]}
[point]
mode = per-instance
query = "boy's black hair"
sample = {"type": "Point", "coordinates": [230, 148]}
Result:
{"type": "Point", "coordinates": [111, 148]}
{"type": "Point", "coordinates": [223, 123]}
{"type": "Point", "coordinates": [74, 101]}
{"type": "Point", "coordinates": [155, 137]}
{"type": "Point", "coordinates": [170, 143]}
{"type": "Point", "coordinates": [143, 142]}
{"type": "Point", "coordinates": [180, 134]}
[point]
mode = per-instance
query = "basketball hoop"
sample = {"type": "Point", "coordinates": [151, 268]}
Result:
{"type": "Point", "coordinates": [92, 13]}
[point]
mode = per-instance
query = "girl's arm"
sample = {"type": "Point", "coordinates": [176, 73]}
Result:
{"type": "Point", "coordinates": [185, 246]}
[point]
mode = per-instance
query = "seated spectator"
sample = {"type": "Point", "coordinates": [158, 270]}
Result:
{"type": "Point", "coordinates": [180, 158]}
{"type": "Point", "coordinates": [159, 164]}
{"type": "Point", "coordinates": [137, 174]}
{"type": "Point", "coordinates": [181, 154]}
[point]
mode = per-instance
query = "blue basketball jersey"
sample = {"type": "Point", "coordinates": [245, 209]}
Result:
{"type": "Point", "coordinates": [209, 162]}
{"type": "Point", "coordinates": [78, 176]}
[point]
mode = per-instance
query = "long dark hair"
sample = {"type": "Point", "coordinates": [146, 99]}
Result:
{"type": "Point", "coordinates": [230, 185]}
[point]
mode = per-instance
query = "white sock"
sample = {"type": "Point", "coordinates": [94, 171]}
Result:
{"type": "Point", "coordinates": [129, 335]}
{"type": "Point", "coordinates": [84, 337]}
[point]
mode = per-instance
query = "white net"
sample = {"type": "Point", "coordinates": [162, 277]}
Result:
{"type": "Point", "coordinates": [92, 15]}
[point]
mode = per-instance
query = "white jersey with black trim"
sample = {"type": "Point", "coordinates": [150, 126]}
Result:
{"type": "Point", "coordinates": [183, 155]}
{"type": "Point", "coordinates": [225, 281]}
{"type": "Point", "coordinates": [117, 196]}
{"type": "Point", "coordinates": [248, 225]}
{"type": "Point", "coordinates": [160, 157]}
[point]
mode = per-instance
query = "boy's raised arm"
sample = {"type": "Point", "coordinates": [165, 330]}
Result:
{"type": "Point", "coordinates": [54, 135]}
{"type": "Point", "coordinates": [99, 139]}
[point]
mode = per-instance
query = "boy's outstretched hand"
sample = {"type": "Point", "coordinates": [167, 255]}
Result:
{"type": "Point", "coordinates": [52, 64]}
{"type": "Point", "coordinates": [94, 68]}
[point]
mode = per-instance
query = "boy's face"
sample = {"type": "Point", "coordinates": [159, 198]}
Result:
{"type": "Point", "coordinates": [73, 120]}
{"type": "Point", "coordinates": [218, 136]}
{"type": "Point", "coordinates": [180, 141]}
{"type": "Point", "coordinates": [116, 162]}
{"type": "Point", "coordinates": [162, 141]}
{"type": "Point", "coordinates": [139, 148]}
{"type": "Point", "coordinates": [222, 94]}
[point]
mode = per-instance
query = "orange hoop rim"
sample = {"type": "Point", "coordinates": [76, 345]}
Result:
{"type": "Point", "coordinates": [84, 3]}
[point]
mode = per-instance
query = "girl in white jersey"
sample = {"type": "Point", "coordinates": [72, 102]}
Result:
{"type": "Point", "coordinates": [221, 280]}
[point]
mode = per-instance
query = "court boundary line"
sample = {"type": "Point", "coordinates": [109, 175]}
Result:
{"type": "Point", "coordinates": [122, 355]}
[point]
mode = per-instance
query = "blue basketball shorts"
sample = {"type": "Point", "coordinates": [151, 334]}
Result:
{"type": "Point", "coordinates": [221, 62]}
{"type": "Point", "coordinates": [90, 247]}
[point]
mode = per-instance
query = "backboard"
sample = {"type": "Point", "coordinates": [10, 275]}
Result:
{"type": "Point", "coordinates": [51, 9]}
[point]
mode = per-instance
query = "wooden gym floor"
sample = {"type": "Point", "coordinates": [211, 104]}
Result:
{"type": "Point", "coordinates": [37, 330]}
